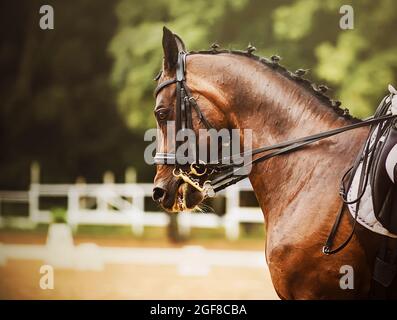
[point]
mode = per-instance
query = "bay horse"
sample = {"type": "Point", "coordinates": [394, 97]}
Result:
{"type": "Point", "coordinates": [297, 192]}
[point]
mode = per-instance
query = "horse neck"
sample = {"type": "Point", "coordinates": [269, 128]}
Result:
{"type": "Point", "coordinates": [278, 109]}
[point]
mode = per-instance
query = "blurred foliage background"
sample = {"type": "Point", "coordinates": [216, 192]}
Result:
{"type": "Point", "coordinates": [77, 98]}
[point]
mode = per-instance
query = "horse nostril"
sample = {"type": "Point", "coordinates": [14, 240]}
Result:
{"type": "Point", "coordinates": [158, 194]}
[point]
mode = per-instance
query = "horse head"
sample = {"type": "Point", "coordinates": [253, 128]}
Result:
{"type": "Point", "coordinates": [172, 191]}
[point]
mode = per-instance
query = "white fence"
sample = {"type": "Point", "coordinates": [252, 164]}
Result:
{"type": "Point", "coordinates": [124, 204]}
{"type": "Point", "coordinates": [190, 260]}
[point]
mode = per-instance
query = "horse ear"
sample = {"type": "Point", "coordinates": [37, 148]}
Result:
{"type": "Point", "coordinates": [180, 43]}
{"type": "Point", "coordinates": [170, 47]}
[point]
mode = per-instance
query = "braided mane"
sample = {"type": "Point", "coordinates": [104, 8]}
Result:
{"type": "Point", "coordinates": [305, 83]}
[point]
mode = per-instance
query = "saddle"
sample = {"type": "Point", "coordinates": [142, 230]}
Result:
{"type": "Point", "coordinates": [372, 195]}
{"type": "Point", "coordinates": [383, 181]}
{"type": "Point", "coordinates": [373, 178]}
{"type": "Point", "coordinates": [373, 186]}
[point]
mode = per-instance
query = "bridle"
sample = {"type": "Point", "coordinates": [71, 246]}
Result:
{"type": "Point", "coordinates": [224, 172]}
{"type": "Point", "coordinates": [221, 175]}
{"type": "Point", "coordinates": [183, 121]}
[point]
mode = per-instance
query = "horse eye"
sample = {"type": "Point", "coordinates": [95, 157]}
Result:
{"type": "Point", "coordinates": [162, 114]}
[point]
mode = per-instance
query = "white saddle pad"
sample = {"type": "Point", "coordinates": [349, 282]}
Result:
{"type": "Point", "coordinates": [366, 215]}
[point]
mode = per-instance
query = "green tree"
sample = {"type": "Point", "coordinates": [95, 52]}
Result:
{"type": "Point", "coordinates": [136, 47]}
{"type": "Point", "coordinates": [357, 64]}
{"type": "Point", "coordinates": [58, 107]}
